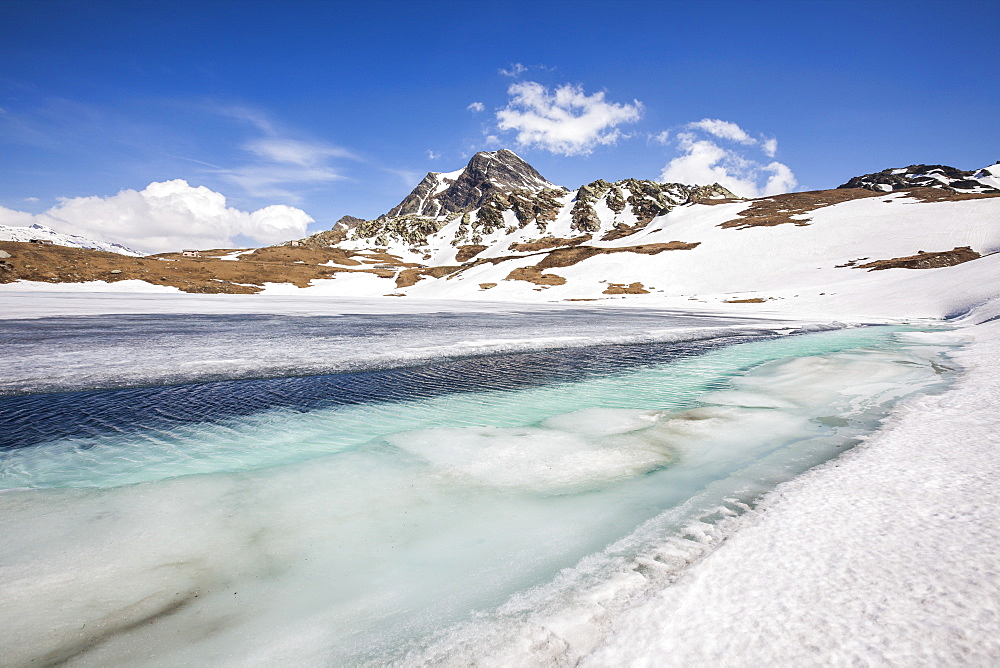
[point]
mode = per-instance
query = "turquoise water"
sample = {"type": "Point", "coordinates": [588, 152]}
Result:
{"type": "Point", "coordinates": [351, 532]}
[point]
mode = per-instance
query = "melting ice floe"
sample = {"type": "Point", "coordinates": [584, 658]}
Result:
{"type": "Point", "coordinates": [430, 510]}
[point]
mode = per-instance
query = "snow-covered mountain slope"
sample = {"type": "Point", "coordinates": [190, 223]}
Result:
{"type": "Point", "coordinates": [930, 176]}
{"type": "Point", "coordinates": [36, 231]}
{"type": "Point", "coordinates": [722, 252]}
{"type": "Point", "coordinates": [442, 193]}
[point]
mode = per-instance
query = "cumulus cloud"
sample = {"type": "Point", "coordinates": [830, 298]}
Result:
{"type": "Point", "coordinates": [476, 107]}
{"type": "Point", "coordinates": [167, 215]}
{"type": "Point", "coordinates": [566, 121]}
{"type": "Point", "coordinates": [514, 70]}
{"type": "Point", "coordinates": [703, 161]}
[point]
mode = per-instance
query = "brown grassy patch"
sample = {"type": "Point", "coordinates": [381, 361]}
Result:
{"type": "Point", "coordinates": [408, 277]}
{"type": "Point", "coordinates": [533, 275]}
{"type": "Point", "coordinates": [622, 289]}
{"type": "Point", "coordinates": [779, 209]}
{"type": "Point", "coordinates": [942, 195]}
{"type": "Point", "coordinates": [469, 251]}
{"type": "Point", "coordinates": [60, 264]}
{"type": "Point", "coordinates": [752, 300]}
{"type": "Point", "coordinates": [622, 231]}
{"type": "Point", "coordinates": [547, 243]}
{"type": "Point", "coordinates": [487, 286]}
{"type": "Point", "coordinates": [566, 257]}
{"type": "Point", "coordinates": [924, 260]}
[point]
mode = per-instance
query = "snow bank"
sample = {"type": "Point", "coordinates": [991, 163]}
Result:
{"type": "Point", "coordinates": [885, 556]}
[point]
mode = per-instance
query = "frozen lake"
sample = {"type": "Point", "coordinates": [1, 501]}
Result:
{"type": "Point", "coordinates": [427, 503]}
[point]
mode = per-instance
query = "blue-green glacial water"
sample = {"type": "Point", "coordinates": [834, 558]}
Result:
{"type": "Point", "coordinates": [429, 514]}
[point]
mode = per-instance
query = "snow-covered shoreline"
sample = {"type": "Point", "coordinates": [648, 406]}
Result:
{"type": "Point", "coordinates": [883, 556]}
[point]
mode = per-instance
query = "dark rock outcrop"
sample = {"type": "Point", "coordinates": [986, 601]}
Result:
{"type": "Point", "coordinates": [487, 173]}
{"type": "Point", "coordinates": [925, 176]}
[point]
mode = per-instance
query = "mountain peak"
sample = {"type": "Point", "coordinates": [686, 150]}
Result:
{"type": "Point", "coordinates": [442, 193]}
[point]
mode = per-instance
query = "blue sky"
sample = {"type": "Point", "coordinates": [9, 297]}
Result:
{"type": "Point", "coordinates": [338, 108]}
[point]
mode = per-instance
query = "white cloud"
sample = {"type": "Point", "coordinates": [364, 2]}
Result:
{"type": "Point", "coordinates": [167, 215]}
{"type": "Point", "coordinates": [661, 137]}
{"type": "Point", "coordinates": [704, 162]}
{"type": "Point", "coordinates": [782, 180]}
{"type": "Point", "coordinates": [722, 130]}
{"type": "Point", "coordinates": [769, 146]}
{"type": "Point", "coordinates": [431, 155]}
{"type": "Point", "coordinates": [565, 121]}
{"type": "Point", "coordinates": [291, 151]}
{"type": "Point", "coordinates": [515, 69]}
{"type": "Point", "coordinates": [30, 199]}
{"type": "Point", "coordinates": [279, 166]}
{"type": "Point", "coordinates": [476, 107]}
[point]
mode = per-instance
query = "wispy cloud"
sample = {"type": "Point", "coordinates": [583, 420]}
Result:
{"type": "Point", "coordinates": [294, 152]}
{"type": "Point", "coordinates": [565, 120]}
{"type": "Point", "coordinates": [281, 165]}
{"type": "Point", "coordinates": [431, 155]}
{"type": "Point", "coordinates": [662, 137]}
{"type": "Point", "coordinates": [476, 107]}
{"type": "Point", "coordinates": [514, 70]}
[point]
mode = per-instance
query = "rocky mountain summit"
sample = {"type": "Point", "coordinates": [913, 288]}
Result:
{"type": "Point", "coordinates": [498, 195]}
{"type": "Point", "coordinates": [487, 173]}
{"type": "Point", "coordinates": [986, 180]}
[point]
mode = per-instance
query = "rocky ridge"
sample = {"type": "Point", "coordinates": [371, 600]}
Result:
{"type": "Point", "coordinates": [986, 180]}
{"type": "Point", "coordinates": [498, 194]}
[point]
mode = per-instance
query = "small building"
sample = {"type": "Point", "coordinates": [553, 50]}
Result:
{"type": "Point", "coordinates": [47, 242]}
{"type": "Point", "coordinates": [294, 242]}
{"type": "Point", "coordinates": [191, 253]}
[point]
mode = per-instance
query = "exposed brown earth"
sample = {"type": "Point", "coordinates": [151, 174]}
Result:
{"type": "Point", "coordinates": [622, 289]}
{"type": "Point", "coordinates": [60, 264]}
{"type": "Point", "coordinates": [779, 209]}
{"type": "Point", "coordinates": [487, 286]}
{"type": "Point", "coordinates": [548, 243]}
{"type": "Point", "coordinates": [924, 260]}
{"type": "Point", "coordinates": [752, 300]}
{"type": "Point", "coordinates": [566, 257]}
{"type": "Point", "coordinates": [409, 277]}
{"type": "Point", "coordinates": [534, 275]}
{"type": "Point", "coordinates": [621, 231]}
{"type": "Point", "coordinates": [469, 251]}
{"type": "Point", "coordinates": [943, 195]}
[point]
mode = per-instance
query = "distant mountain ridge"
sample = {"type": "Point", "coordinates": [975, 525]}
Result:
{"type": "Point", "coordinates": [986, 180]}
{"type": "Point", "coordinates": [37, 231]}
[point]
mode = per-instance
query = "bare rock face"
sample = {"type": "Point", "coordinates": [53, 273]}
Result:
{"type": "Point", "coordinates": [487, 173]}
{"type": "Point", "coordinates": [923, 176]}
{"type": "Point", "coordinates": [348, 223]}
